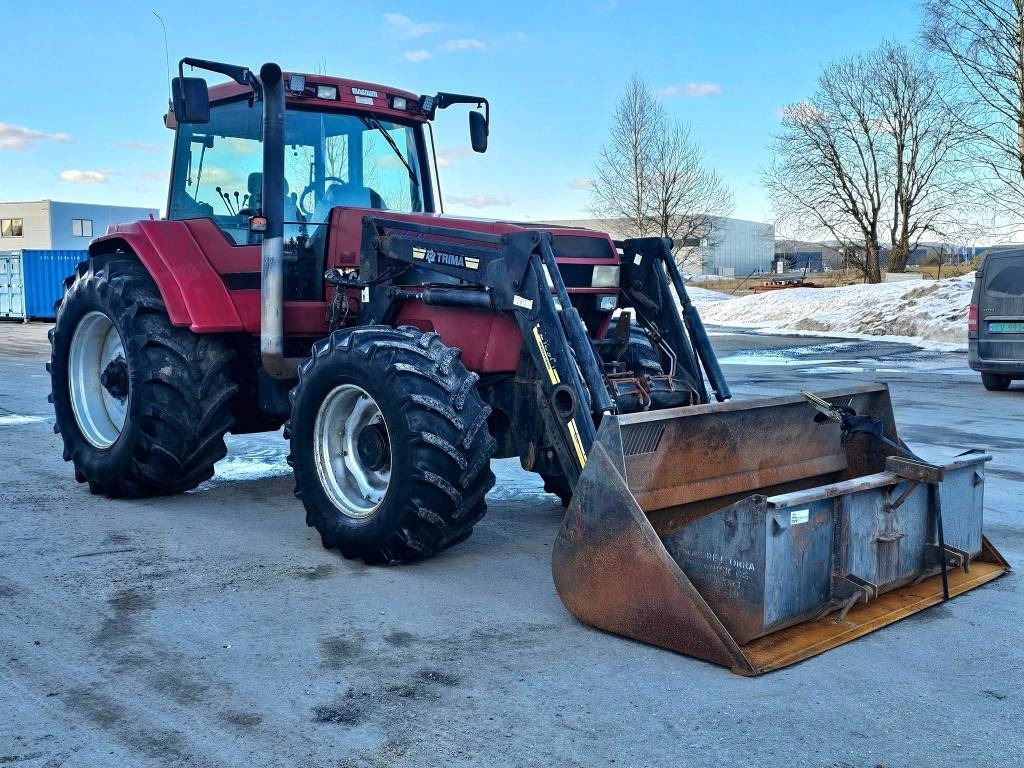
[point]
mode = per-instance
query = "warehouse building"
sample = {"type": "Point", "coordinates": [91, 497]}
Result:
{"type": "Point", "coordinates": [732, 247]}
{"type": "Point", "coordinates": [52, 225]}
{"type": "Point", "coordinates": [40, 244]}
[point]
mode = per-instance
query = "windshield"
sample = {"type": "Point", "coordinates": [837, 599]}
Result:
{"type": "Point", "coordinates": [331, 159]}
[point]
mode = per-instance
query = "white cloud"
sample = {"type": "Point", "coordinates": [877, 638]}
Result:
{"type": "Point", "coordinates": [479, 201]}
{"type": "Point", "coordinates": [464, 44]}
{"type": "Point", "coordinates": [402, 26]}
{"type": "Point", "coordinates": [445, 156]}
{"type": "Point", "coordinates": [76, 176]}
{"type": "Point", "coordinates": [16, 137]}
{"type": "Point", "coordinates": [703, 89]}
{"type": "Point", "coordinates": [581, 183]}
{"type": "Point", "coordinates": [420, 55]}
{"type": "Point", "coordinates": [690, 89]}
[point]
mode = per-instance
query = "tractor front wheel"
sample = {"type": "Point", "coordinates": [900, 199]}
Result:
{"type": "Point", "coordinates": [389, 444]}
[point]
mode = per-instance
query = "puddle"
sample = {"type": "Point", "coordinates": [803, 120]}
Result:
{"type": "Point", "coordinates": [783, 357]}
{"type": "Point", "coordinates": [844, 369]}
{"type": "Point", "coordinates": [758, 359]}
{"type": "Point", "coordinates": [856, 356]}
{"type": "Point", "coordinates": [14, 420]}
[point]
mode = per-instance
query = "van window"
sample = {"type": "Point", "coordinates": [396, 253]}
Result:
{"type": "Point", "coordinates": [1005, 278]}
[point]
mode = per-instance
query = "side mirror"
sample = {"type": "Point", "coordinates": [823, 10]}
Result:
{"type": "Point", "coordinates": [478, 131]}
{"type": "Point", "coordinates": [190, 100]}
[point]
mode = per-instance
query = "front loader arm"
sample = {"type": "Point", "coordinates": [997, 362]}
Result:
{"type": "Point", "coordinates": [503, 274]}
{"type": "Point", "coordinates": [649, 278]}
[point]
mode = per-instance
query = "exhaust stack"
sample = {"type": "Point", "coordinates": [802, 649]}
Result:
{"type": "Point", "coordinates": [272, 274]}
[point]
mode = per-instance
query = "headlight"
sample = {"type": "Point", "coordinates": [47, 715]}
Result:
{"type": "Point", "coordinates": [607, 303]}
{"type": "Point", "coordinates": [605, 277]}
{"type": "Point", "coordinates": [329, 92]}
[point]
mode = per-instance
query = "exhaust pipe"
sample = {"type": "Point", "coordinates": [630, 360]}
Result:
{"type": "Point", "coordinates": [272, 277]}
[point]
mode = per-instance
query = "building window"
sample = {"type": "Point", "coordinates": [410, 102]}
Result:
{"type": "Point", "coordinates": [12, 227]}
{"type": "Point", "coordinates": [81, 227]}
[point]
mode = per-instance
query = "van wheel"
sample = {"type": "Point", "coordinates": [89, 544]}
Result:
{"type": "Point", "coordinates": [995, 382]}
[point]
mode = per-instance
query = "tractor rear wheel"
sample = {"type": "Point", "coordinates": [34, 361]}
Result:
{"type": "Point", "coordinates": [142, 406]}
{"type": "Point", "coordinates": [389, 444]}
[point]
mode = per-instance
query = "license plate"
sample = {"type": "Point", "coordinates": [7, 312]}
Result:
{"type": "Point", "coordinates": [1006, 327]}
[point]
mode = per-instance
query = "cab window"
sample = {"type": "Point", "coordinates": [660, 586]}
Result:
{"type": "Point", "coordinates": [331, 159]}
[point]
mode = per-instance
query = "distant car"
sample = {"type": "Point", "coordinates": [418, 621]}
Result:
{"type": "Point", "coordinates": [995, 323]}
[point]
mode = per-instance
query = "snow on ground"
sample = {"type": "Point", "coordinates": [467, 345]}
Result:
{"type": "Point", "coordinates": [702, 296]}
{"type": "Point", "coordinates": [931, 314]}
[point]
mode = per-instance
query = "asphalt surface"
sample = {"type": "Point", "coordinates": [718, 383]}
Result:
{"type": "Point", "coordinates": [212, 629]}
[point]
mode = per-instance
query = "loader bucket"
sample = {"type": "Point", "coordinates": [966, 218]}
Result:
{"type": "Point", "coordinates": [752, 535]}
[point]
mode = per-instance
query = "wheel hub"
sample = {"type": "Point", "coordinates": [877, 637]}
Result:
{"type": "Point", "coordinates": [352, 451]}
{"type": "Point", "coordinates": [98, 380]}
{"type": "Point", "coordinates": [114, 378]}
{"type": "Point", "coordinates": [372, 447]}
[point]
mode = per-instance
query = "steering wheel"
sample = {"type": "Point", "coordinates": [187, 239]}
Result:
{"type": "Point", "coordinates": [309, 189]}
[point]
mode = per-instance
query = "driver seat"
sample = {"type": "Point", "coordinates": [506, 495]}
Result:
{"type": "Point", "coordinates": [255, 187]}
{"type": "Point", "coordinates": [348, 195]}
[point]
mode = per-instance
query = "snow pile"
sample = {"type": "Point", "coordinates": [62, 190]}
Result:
{"type": "Point", "coordinates": [931, 314]}
{"type": "Point", "coordinates": [702, 296]}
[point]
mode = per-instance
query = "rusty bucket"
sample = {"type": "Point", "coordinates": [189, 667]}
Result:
{"type": "Point", "coordinates": [757, 534]}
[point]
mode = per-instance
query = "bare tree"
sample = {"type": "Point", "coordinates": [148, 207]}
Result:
{"type": "Point", "coordinates": [981, 42]}
{"type": "Point", "coordinates": [653, 175]}
{"type": "Point", "coordinates": [870, 152]}
{"type": "Point", "coordinates": [921, 136]}
{"type": "Point", "coordinates": [827, 170]}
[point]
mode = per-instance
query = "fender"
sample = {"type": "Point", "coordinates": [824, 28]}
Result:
{"type": "Point", "coordinates": [192, 290]}
{"type": "Point", "coordinates": [490, 342]}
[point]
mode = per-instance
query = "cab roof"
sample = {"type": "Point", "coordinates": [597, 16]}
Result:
{"type": "Point", "coordinates": [357, 95]}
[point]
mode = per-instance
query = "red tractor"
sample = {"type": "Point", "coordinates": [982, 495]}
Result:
{"type": "Point", "coordinates": [302, 216]}
{"type": "Point", "coordinates": [304, 278]}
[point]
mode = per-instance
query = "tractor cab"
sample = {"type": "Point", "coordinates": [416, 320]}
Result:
{"type": "Point", "coordinates": [345, 143]}
{"type": "Point", "coordinates": [337, 152]}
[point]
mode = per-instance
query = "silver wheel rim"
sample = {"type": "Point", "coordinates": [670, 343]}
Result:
{"type": "Point", "coordinates": [355, 489]}
{"type": "Point", "coordinates": [99, 415]}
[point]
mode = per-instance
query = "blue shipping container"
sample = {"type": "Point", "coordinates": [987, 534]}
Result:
{"type": "Point", "coordinates": [12, 293]}
{"type": "Point", "coordinates": [42, 278]}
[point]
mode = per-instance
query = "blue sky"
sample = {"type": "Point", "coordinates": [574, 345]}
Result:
{"type": "Point", "coordinates": [85, 85]}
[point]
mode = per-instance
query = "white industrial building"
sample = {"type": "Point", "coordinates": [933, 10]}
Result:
{"type": "Point", "coordinates": [52, 225]}
{"type": "Point", "coordinates": [733, 247]}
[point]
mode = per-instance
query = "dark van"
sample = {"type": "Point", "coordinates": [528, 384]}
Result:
{"type": "Point", "coordinates": [995, 324]}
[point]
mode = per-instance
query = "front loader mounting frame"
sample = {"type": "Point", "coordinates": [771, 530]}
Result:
{"type": "Point", "coordinates": [517, 273]}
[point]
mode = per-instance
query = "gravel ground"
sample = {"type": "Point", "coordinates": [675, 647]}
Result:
{"type": "Point", "coordinates": [211, 629]}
